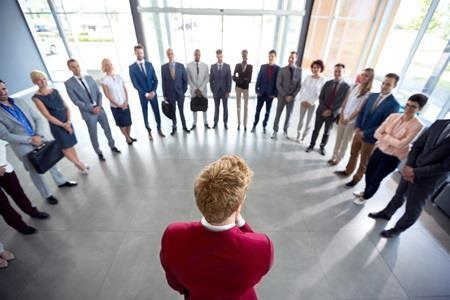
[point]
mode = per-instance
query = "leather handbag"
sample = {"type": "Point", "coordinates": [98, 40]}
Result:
{"type": "Point", "coordinates": [45, 156]}
{"type": "Point", "coordinates": [199, 103]}
{"type": "Point", "coordinates": [168, 109]}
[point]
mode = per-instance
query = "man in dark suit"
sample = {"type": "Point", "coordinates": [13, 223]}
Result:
{"type": "Point", "coordinates": [331, 97]}
{"type": "Point", "coordinates": [266, 88]}
{"type": "Point", "coordinates": [427, 166]}
{"type": "Point", "coordinates": [84, 93]}
{"type": "Point", "coordinates": [220, 84]}
{"type": "Point", "coordinates": [376, 109]}
{"type": "Point", "coordinates": [174, 85]}
{"type": "Point", "coordinates": [242, 75]}
{"type": "Point", "coordinates": [289, 81]}
{"type": "Point", "coordinates": [144, 80]}
{"type": "Point", "coordinates": [221, 257]}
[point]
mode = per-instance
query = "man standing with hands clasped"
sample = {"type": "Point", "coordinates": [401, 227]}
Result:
{"type": "Point", "coordinates": [220, 83]}
{"type": "Point", "coordinates": [198, 77]}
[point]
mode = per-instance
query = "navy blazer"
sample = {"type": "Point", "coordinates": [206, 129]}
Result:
{"type": "Point", "coordinates": [174, 89]}
{"type": "Point", "coordinates": [369, 121]}
{"type": "Point", "coordinates": [263, 84]}
{"type": "Point", "coordinates": [430, 159]}
{"type": "Point", "coordinates": [143, 84]}
{"type": "Point", "coordinates": [220, 82]}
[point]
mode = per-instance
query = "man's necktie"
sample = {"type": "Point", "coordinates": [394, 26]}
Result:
{"type": "Point", "coordinates": [376, 103]}
{"type": "Point", "coordinates": [198, 71]}
{"type": "Point", "coordinates": [332, 96]}
{"type": "Point", "coordinates": [172, 71]}
{"type": "Point", "coordinates": [291, 71]}
{"type": "Point", "coordinates": [141, 65]}
{"type": "Point", "coordinates": [87, 91]}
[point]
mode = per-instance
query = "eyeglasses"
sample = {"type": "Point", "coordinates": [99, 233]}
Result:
{"type": "Point", "coordinates": [411, 106]}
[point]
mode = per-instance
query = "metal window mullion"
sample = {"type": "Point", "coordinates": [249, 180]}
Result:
{"type": "Point", "coordinates": [330, 30]}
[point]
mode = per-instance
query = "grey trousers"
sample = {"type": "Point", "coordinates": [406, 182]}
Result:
{"type": "Point", "coordinates": [38, 179]}
{"type": "Point", "coordinates": [280, 106]}
{"type": "Point", "coordinates": [91, 122]}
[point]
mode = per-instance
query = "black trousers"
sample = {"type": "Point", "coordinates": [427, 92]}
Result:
{"type": "Point", "coordinates": [380, 165]}
{"type": "Point", "coordinates": [264, 98]}
{"type": "Point", "coordinates": [415, 201]}
{"type": "Point", "coordinates": [10, 184]}
{"type": "Point", "coordinates": [328, 121]}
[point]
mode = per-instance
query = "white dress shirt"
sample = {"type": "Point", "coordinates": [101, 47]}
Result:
{"type": "Point", "coordinates": [218, 228]}
{"type": "Point", "coordinates": [114, 83]}
{"type": "Point", "coordinates": [199, 81]}
{"type": "Point", "coordinates": [3, 159]}
{"type": "Point", "coordinates": [354, 103]}
{"type": "Point", "coordinates": [311, 88]}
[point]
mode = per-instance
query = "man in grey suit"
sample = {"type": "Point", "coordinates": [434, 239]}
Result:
{"type": "Point", "coordinates": [23, 128]}
{"type": "Point", "coordinates": [331, 97]}
{"type": "Point", "coordinates": [220, 83]}
{"type": "Point", "coordinates": [84, 93]}
{"type": "Point", "coordinates": [289, 81]}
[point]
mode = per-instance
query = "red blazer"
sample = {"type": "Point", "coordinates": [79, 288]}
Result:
{"type": "Point", "coordinates": [202, 264]}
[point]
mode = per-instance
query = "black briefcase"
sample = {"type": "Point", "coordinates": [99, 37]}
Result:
{"type": "Point", "coordinates": [199, 103]}
{"type": "Point", "coordinates": [45, 156]}
{"type": "Point", "coordinates": [168, 109]}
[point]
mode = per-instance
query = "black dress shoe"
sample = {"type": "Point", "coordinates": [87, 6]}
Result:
{"type": "Point", "coordinates": [207, 126]}
{"type": "Point", "coordinates": [193, 127]}
{"type": "Point", "coordinates": [130, 142]}
{"type": "Point", "coordinates": [264, 130]}
{"type": "Point", "coordinates": [150, 136]}
{"type": "Point", "coordinates": [322, 151]}
{"type": "Point", "coordinates": [27, 230]}
{"type": "Point", "coordinates": [390, 233]}
{"type": "Point", "coordinates": [239, 127]}
{"type": "Point", "coordinates": [174, 130]}
{"type": "Point", "coordinates": [161, 134]}
{"type": "Point", "coordinates": [379, 215]}
{"type": "Point", "coordinates": [115, 150]}
{"type": "Point", "coordinates": [225, 126]}
{"type": "Point", "coordinates": [101, 157]}
{"type": "Point", "coordinates": [309, 149]}
{"type": "Point", "coordinates": [133, 139]}
{"type": "Point", "coordinates": [68, 184]}
{"type": "Point", "coordinates": [40, 215]}
{"type": "Point", "coordinates": [52, 200]}
{"type": "Point", "coordinates": [341, 173]}
{"type": "Point", "coordinates": [186, 130]}
{"type": "Point", "coordinates": [245, 128]}
{"type": "Point", "coordinates": [253, 129]}
{"type": "Point", "coordinates": [351, 183]}
{"type": "Point", "coordinates": [214, 126]}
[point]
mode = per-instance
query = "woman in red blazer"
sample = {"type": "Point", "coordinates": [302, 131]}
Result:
{"type": "Point", "coordinates": [219, 257]}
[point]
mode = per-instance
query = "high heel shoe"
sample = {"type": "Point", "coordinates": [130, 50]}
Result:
{"type": "Point", "coordinates": [3, 263]}
{"type": "Point", "coordinates": [7, 255]}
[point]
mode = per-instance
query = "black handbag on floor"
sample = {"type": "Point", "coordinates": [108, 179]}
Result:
{"type": "Point", "coordinates": [45, 156]}
{"type": "Point", "coordinates": [199, 103]}
{"type": "Point", "coordinates": [168, 109]}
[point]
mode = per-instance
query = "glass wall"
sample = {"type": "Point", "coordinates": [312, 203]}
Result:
{"type": "Point", "coordinates": [229, 25]}
{"type": "Point", "coordinates": [338, 33]}
{"type": "Point", "coordinates": [93, 30]}
{"type": "Point", "coordinates": [428, 71]}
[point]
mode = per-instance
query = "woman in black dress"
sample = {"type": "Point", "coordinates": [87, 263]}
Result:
{"type": "Point", "coordinates": [54, 109]}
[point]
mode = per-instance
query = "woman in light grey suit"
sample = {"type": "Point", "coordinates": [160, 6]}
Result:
{"type": "Point", "coordinates": [23, 129]}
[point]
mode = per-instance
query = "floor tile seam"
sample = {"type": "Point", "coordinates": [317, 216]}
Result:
{"type": "Point", "coordinates": [110, 266]}
{"type": "Point", "coordinates": [437, 245]}
{"type": "Point", "coordinates": [389, 267]}
{"type": "Point", "coordinates": [321, 266]}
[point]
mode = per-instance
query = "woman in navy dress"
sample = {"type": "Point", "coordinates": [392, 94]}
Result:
{"type": "Point", "coordinates": [54, 109]}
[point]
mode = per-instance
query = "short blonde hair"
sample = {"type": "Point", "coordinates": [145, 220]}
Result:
{"type": "Point", "coordinates": [220, 188]}
{"type": "Point", "coordinates": [104, 62]}
{"type": "Point", "coordinates": [36, 74]}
